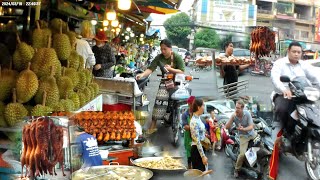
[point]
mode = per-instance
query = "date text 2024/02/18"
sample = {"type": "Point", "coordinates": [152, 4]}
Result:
{"type": "Point", "coordinates": [27, 3]}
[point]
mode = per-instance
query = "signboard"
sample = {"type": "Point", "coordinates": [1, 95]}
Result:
{"type": "Point", "coordinates": [94, 105]}
{"type": "Point", "coordinates": [233, 16]}
{"type": "Point", "coordinates": [317, 26]}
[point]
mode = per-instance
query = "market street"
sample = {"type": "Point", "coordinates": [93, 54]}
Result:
{"type": "Point", "coordinates": [289, 168]}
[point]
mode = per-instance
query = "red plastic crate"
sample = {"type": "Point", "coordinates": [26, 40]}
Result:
{"type": "Point", "coordinates": [116, 107]}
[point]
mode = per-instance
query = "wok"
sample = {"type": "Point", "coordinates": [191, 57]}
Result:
{"type": "Point", "coordinates": [96, 172]}
{"type": "Point", "coordinates": [159, 171]}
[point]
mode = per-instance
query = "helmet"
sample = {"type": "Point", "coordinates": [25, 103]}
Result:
{"type": "Point", "coordinates": [301, 82]}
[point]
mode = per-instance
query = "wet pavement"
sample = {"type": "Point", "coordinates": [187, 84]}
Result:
{"type": "Point", "coordinates": [206, 86]}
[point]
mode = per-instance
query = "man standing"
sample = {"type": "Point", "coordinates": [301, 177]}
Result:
{"type": "Point", "coordinates": [88, 149]}
{"type": "Point", "coordinates": [186, 116]}
{"type": "Point", "coordinates": [244, 124]}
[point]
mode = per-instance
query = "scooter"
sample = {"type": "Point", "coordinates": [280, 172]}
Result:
{"type": "Point", "coordinates": [304, 140]}
{"type": "Point", "coordinates": [262, 144]}
{"type": "Point", "coordinates": [177, 86]}
{"type": "Point", "coordinates": [187, 59]}
{"type": "Point", "coordinates": [142, 82]}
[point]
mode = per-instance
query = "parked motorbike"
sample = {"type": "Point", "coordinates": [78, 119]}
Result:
{"type": "Point", "coordinates": [262, 143]}
{"type": "Point", "coordinates": [304, 141]}
{"type": "Point", "coordinates": [178, 94]}
{"type": "Point", "coordinates": [142, 82]}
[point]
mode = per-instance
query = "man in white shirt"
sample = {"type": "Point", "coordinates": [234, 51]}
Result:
{"type": "Point", "coordinates": [83, 48]}
{"type": "Point", "coordinates": [291, 66]}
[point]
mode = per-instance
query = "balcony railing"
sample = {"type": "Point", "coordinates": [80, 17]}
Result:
{"type": "Point", "coordinates": [263, 11]}
{"type": "Point", "coordinates": [304, 17]}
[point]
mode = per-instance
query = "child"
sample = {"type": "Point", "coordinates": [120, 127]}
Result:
{"type": "Point", "coordinates": [214, 130]}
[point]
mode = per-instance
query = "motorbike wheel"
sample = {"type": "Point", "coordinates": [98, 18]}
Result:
{"type": "Point", "coordinates": [313, 173]}
{"type": "Point", "coordinates": [264, 169]}
{"type": "Point", "coordinates": [175, 129]}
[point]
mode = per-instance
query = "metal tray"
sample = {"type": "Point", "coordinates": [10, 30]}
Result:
{"type": "Point", "coordinates": [134, 162]}
{"type": "Point", "coordinates": [97, 172]}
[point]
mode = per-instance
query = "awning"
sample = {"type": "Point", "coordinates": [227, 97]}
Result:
{"type": "Point", "coordinates": [164, 10]}
{"type": "Point", "coordinates": [149, 10]}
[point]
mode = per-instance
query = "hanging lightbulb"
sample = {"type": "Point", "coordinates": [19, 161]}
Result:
{"type": "Point", "coordinates": [94, 22]}
{"type": "Point", "coordinates": [114, 23]}
{"type": "Point", "coordinates": [141, 39]}
{"type": "Point", "coordinates": [124, 4]}
{"type": "Point", "coordinates": [128, 29]}
{"type": "Point", "coordinates": [105, 28]}
{"type": "Point", "coordinates": [111, 14]}
{"type": "Point", "coordinates": [127, 37]}
{"type": "Point", "coordinates": [142, 35]}
{"type": "Point", "coordinates": [132, 34]}
{"type": "Point", "coordinates": [119, 26]}
{"type": "Point", "coordinates": [122, 34]}
{"type": "Point", "coordinates": [112, 30]}
{"type": "Point", "coordinates": [105, 23]}
{"type": "Point", "coordinates": [118, 30]}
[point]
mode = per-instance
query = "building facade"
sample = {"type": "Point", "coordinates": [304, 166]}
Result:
{"type": "Point", "coordinates": [292, 19]}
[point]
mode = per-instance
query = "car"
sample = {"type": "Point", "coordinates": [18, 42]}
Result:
{"type": "Point", "coordinates": [314, 62]}
{"type": "Point", "coordinates": [175, 49]}
{"type": "Point", "coordinates": [182, 52]}
{"type": "Point", "coordinates": [238, 52]}
{"type": "Point", "coordinates": [223, 110]}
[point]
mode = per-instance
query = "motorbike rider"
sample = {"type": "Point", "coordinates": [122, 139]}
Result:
{"type": "Point", "coordinates": [291, 66]}
{"type": "Point", "coordinates": [243, 120]}
{"type": "Point", "coordinates": [173, 63]}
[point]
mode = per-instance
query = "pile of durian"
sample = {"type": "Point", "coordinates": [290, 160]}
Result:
{"type": "Point", "coordinates": [44, 77]}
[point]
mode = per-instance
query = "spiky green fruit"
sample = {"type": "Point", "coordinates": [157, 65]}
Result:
{"type": "Point", "coordinates": [43, 60]}
{"type": "Point", "coordinates": [49, 85]}
{"type": "Point", "coordinates": [83, 99]}
{"type": "Point", "coordinates": [75, 98]}
{"type": "Point", "coordinates": [3, 123]}
{"type": "Point", "coordinates": [27, 85]}
{"type": "Point", "coordinates": [59, 107]}
{"type": "Point", "coordinates": [40, 110]}
{"type": "Point", "coordinates": [73, 60]}
{"type": "Point", "coordinates": [22, 56]}
{"type": "Point", "coordinates": [82, 81]}
{"type": "Point", "coordinates": [14, 113]}
{"type": "Point", "coordinates": [67, 104]}
{"type": "Point", "coordinates": [7, 83]}
{"type": "Point", "coordinates": [61, 44]}
{"type": "Point", "coordinates": [55, 25]}
{"type": "Point", "coordinates": [73, 75]}
{"type": "Point", "coordinates": [95, 87]}
{"type": "Point", "coordinates": [65, 86]}
{"type": "Point", "coordinates": [81, 63]}
{"type": "Point", "coordinates": [93, 94]}
{"type": "Point", "coordinates": [72, 37]}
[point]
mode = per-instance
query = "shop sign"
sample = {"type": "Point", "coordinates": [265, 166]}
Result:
{"type": "Point", "coordinates": [317, 26]}
{"type": "Point", "coordinates": [94, 105]}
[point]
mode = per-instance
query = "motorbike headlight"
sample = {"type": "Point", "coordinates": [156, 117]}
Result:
{"type": "Point", "coordinates": [302, 112]}
{"type": "Point", "coordinates": [312, 94]}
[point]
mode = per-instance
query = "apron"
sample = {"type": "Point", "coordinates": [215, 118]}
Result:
{"type": "Point", "coordinates": [187, 140]}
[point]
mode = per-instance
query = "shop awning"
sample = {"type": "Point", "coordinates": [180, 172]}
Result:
{"type": "Point", "coordinates": [164, 10]}
{"type": "Point", "coordinates": [149, 10]}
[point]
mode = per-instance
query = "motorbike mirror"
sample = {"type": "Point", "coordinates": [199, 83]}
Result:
{"type": "Point", "coordinates": [284, 79]}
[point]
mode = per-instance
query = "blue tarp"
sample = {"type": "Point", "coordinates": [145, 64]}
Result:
{"type": "Point", "coordinates": [152, 30]}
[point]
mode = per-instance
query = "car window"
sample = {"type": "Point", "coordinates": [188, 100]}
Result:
{"type": "Point", "coordinates": [241, 53]}
{"type": "Point", "coordinates": [210, 108]}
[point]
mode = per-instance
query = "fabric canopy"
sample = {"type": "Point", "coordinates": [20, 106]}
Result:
{"type": "Point", "coordinates": [149, 10]}
{"type": "Point", "coordinates": [164, 10]}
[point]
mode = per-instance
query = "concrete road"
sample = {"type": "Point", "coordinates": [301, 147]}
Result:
{"type": "Point", "coordinates": [259, 86]}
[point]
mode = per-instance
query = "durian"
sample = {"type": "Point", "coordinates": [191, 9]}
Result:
{"type": "Point", "coordinates": [75, 98]}
{"type": "Point", "coordinates": [42, 109]}
{"type": "Point", "coordinates": [81, 63]}
{"type": "Point", "coordinates": [83, 99]}
{"type": "Point", "coordinates": [82, 81]}
{"type": "Point", "coordinates": [14, 112]}
{"type": "Point", "coordinates": [73, 75]}
{"type": "Point", "coordinates": [49, 85]}
{"type": "Point", "coordinates": [73, 60]}
{"type": "Point", "coordinates": [27, 85]}
{"type": "Point", "coordinates": [55, 25]}
{"type": "Point", "coordinates": [3, 122]}
{"type": "Point", "coordinates": [65, 85]}
{"type": "Point", "coordinates": [67, 104]}
{"type": "Point", "coordinates": [61, 44]}
{"type": "Point", "coordinates": [44, 59]}
{"type": "Point", "coordinates": [7, 83]}
{"type": "Point", "coordinates": [22, 55]}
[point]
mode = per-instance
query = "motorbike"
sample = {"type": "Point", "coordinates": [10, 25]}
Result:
{"type": "Point", "coordinates": [262, 143]}
{"type": "Point", "coordinates": [304, 140]}
{"type": "Point", "coordinates": [177, 86]}
{"type": "Point", "coordinates": [142, 82]}
{"type": "Point", "coordinates": [187, 58]}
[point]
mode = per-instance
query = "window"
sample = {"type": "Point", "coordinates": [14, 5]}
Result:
{"type": "Point", "coordinates": [210, 108]}
{"type": "Point", "coordinates": [304, 34]}
{"type": "Point", "coordinates": [284, 8]}
{"type": "Point", "coordinates": [296, 34]}
{"type": "Point", "coordinates": [204, 6]}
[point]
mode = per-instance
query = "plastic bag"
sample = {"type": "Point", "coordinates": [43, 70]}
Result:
{"type": "Point", "coordinates": [251, 156]}
{"type": "Point", "coordinates": [181, 93]}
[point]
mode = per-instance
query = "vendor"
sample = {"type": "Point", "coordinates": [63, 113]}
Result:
{"type": "Point", "coordinates": [105, 58]}
{"type": "Point", "coordinates": [173, 63]}
{"type": "Point", "coordinates": [88, 149]}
